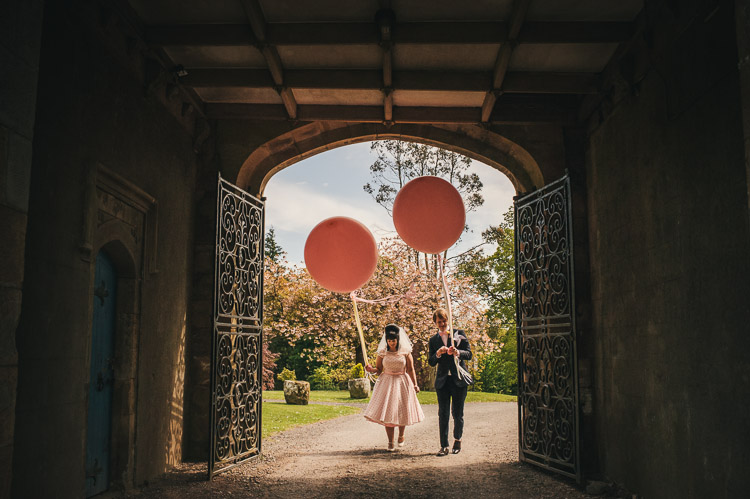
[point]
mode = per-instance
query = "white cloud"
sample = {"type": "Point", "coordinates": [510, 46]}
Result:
{"type": "Point", "coordinates": [296, 202]}
{"type": "Point", "coordinates": [294, 208]}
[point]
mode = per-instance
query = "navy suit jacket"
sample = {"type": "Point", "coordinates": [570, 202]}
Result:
{"type": "Point", "coordinates": [445, 363]}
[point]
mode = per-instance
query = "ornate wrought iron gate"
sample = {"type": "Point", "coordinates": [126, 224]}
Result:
{"type": "Point", "coordinates": [545, 321]}
{"type": "Point", "coordinates": [236, 348]}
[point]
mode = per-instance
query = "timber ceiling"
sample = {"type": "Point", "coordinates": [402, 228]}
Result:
{"type": "Point", "coordinates": [400, 61]}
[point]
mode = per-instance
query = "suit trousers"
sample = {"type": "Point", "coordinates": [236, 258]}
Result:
{"type": "Point", "coordinates": [444, 395]}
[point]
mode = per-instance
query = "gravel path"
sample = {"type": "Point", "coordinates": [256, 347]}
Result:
{"type": "Point", "coordinates": [347, 457]}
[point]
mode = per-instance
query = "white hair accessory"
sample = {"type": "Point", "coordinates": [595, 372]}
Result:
{"type": "Point", "coordinates": [404, 345]}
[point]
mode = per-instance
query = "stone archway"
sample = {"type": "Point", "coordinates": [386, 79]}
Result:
{"type": "Point", "coordinates": [478, 143]}
{"type": "Point", "coordinates": [284, 147]}
{"type": "Point", "coordinates": [308, 140]}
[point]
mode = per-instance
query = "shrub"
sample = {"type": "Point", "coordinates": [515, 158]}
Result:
{"type": "Point", "coordinates": [340, 377]}
{"type": "Point", "coordinates": [321, 379]}
{"type": "Point", "coordinates": [287, 374]}
{"type": "Point", "coordinates": [357, 371]}
{"type": "Point", "coordinates": [497, 372]}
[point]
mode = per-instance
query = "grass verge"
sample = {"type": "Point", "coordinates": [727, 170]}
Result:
{"type": "Point", "coordinates": [424, 397]}
{"type": "Point", "coordinates": [279, 416]}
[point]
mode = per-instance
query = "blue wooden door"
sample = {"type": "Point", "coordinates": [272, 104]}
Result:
{"type": "Point", "coordinates": [101, 377]}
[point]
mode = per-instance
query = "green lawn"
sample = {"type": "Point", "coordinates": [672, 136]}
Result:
{"type": "Point", "coordinates": [424, 397]}
{"type": "Point", "coordinates": [279, 416]}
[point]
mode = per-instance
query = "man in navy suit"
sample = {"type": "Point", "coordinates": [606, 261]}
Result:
{"type": "Point", "coordinates": [448, 384]}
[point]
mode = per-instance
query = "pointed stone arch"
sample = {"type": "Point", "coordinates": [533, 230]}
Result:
{"type": "Point", "coordinates": [308, 140]}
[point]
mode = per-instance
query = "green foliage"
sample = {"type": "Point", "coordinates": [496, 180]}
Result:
{"type": "Point", "coordinates": [398, 162]}
{"type": "Point", "coordinates": [497, 372]}
{"type": "Point", "coordinates": [321, 379]}
{"type": "Point", "coordinates": [357, 371]}
{"type": "Point", "coordinates": [493, 278]}
{"type": "Point", "coordinates": [286, 374]}
{"type": "Point", "coordinates": [271, 248]}
{"type": "Point", "coordinates": [329, 378]}
{"type": "Point", "coordinates": [296, 356]}
{"type": "Point", "coordinates": [340, 377]}
{"type": "Point", "coordinates": [493, 275]}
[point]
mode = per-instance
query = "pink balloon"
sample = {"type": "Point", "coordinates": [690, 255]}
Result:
{"type": "Point", "coordinates": [429, 214]}
{"type": "Point", "coordinates": [340, 254]}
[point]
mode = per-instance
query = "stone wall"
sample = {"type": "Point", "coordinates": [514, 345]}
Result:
{"type": "Point", "coordinates": [20, 38]}
{"type": "Point", "coordinates": [99, 110]}
{"type": "Point", "coordinates": [669, 242]}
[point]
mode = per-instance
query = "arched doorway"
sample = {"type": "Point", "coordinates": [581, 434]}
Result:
{"type": "Point", "coordinates": [507, 156]}
{"type": "Point", "coordinates": [118, 216]}
{"type": "Point", "coordinates": [533, 285]}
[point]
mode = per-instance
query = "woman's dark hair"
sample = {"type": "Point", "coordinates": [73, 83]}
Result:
{"type": "Point", "coordinates": [391, 333]}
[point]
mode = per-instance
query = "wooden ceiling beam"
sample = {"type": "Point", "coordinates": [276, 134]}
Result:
{"type": "Point", "coordinates": [517, 17]}
{"type": "Point", "coordinates": [339, 79]}
{"type": "Point", "coordinates": [323, 33]}
{"type": "Point", "coordinates": [476, 81]}
{"type": "Point", "coordinates": [488, 104]}
{"type": "Point", "coordinates": [255, 16]}
{"type": "Point", "coordinates": [385, 19]}
{"type": "Point", "coordinates": [201, 35]}
{"type": "Point", "coordinates": [510, 109]}
{"type": "Point", "coordinates": [290, 103]}
{"type": "Point", "coordinates": [535, 82]}
{"type": "Point", "coordinates": [576, 32]}
{"type": "Point", "coordinates": [227, 77]}
{"type": "Point", "coordinates": [529, 109]}
{"type": "Point", "coordinates": [501, 65]}
{"type": "Point", "coordinates": [454, 32]}
{"type": "Point", "coordinates": [361, 114]}
{"type": "Point", "coordinates": [257, 21]}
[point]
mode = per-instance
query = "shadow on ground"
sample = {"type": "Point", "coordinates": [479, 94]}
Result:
{"type": "Point", "coordinates": [398, 479]}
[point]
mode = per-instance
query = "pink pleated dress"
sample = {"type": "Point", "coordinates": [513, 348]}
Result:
{"type": "Point", "coordinates": [394, 400]}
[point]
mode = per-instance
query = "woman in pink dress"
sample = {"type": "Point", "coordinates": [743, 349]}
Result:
{"type": "Point", "coordinates": [394, 399]}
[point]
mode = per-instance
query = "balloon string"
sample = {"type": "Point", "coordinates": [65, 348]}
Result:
{"type": "Point", "coordinates": [386, 299]}
{"type": "Point", "coordinates": [359, 329]}
{"type": "Point", "coordinates": [447, 297]}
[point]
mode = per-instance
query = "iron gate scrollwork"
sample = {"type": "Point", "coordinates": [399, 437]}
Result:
{"type": "Point", "coordinates": [236, 349]}
{"type": "Point", "coordinates": [545, 321]}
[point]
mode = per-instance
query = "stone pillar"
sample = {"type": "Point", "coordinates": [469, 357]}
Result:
{"type": "Point", "coordinates": [575, 162]}
{"type": "Point", "coordinates": [198, 362]}
{"type": "Point", "coordinates": [20, 41]}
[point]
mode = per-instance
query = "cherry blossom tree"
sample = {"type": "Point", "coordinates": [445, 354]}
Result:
{"type": "Point", "coordinates": [310, 326]}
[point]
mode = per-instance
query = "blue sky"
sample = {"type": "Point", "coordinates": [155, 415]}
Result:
{"type": "Point", "coordinates": [330, 184]}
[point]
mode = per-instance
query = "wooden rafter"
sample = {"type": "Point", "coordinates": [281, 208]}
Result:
{"type": "Point", "coordinates": [520, 7]}
{"type": "Point", "coordinates": [257, 22]}
{"type": "Point", "coordinates": [517, 109]}
{"type": "Point", "coordinates": [453, 32]}
{"type": "Point", "coordinates": [499, 84]}
{"type": "Point", "coordinates": [335, 79]}
{"type": "Point", "coordinates": [385, 19]}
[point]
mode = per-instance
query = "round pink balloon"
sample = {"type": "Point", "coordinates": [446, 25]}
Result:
{"type": "Point", "coordinates": [429, 214]}
{"type": "Point", "coordinates": [341, 254]}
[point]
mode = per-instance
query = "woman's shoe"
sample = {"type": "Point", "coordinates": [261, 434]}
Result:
{"type": "Point", "coordinates": [391, 447]}
{"type": "Point", "coordinates": [401, 441]}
